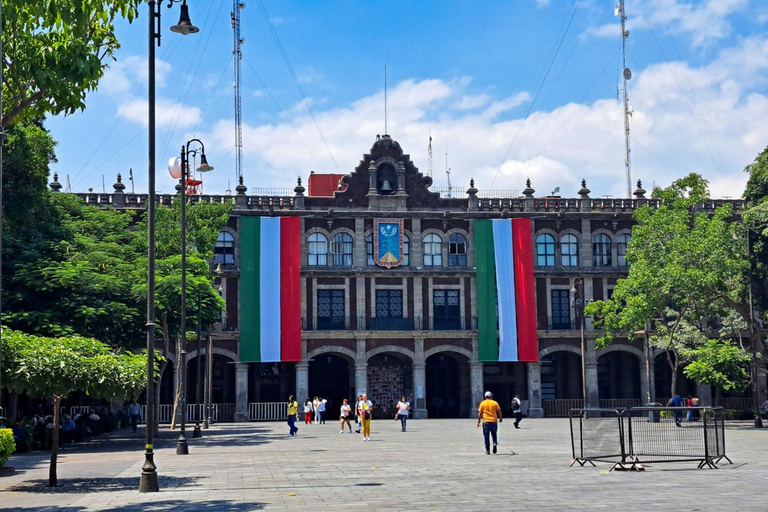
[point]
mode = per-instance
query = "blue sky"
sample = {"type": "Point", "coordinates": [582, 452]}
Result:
{"type": "Point", "coordinates": [466, 72]}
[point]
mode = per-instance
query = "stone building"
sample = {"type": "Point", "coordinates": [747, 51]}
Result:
{"type": "Point", "coordinates": [412, 329]}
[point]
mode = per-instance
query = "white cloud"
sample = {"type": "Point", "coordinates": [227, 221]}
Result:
{"type": "Point", "coordinates": [123, 75]}
{"type": "Point", "coordinates": [542, 3]}
{"type": "Point", "coordinates": [707, 119]}
{"type": "Point", "coordinates": [168, 113]}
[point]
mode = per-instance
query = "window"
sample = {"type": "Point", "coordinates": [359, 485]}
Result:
{"type": "Point", "coordinates": [330, 309]}
{"type": "Point", "coordinates": [317, 252]}
{"type": "Point", "coordinates": [561, 309]}
{"type": "Point", "coordinates": [433, 250]}
{"type": "Point", "coordinates": [406, 251]}
{"type": "Point", "coordinates": [545, 250]}
{"type": "Point", "coordinates": [569, 250]}
{"type": "Point", "coordinates": [389, 312]}
{"type": "Point", "coordinates": [601, 250]}
{"type": "Point", "coordinates": [369, 250]}
{"type": "Point", "coordinates": [457, 250]}
{"type": "Point", "coordinates": [621, 250]}
{"type": "Point", "coordinates": [447, 309]}
{"type": "Point", "coordinates": [341, 249]}
{"type": "Point", "coordinates": [224, 249]}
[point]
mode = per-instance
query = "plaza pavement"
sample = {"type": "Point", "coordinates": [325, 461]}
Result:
{"type": "Point", "coordinates": [438, 465]}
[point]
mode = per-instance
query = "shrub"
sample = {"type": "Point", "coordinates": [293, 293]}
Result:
{"type": "Point", "coordinates": [7, 446]}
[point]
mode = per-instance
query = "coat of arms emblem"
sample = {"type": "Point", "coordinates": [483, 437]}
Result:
{"type": "Point", "coordinates": [388, 242]}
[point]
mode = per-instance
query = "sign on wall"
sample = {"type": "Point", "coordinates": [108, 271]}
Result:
{"type": "Point", "coordinates": [388, 242]}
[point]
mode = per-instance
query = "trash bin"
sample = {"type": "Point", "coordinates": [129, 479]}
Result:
{"type": "Point", "coordinates": [654, 416]}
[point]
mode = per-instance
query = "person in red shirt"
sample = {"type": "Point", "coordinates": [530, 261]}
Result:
{"type": "Point", "coordinates": [488, 414]}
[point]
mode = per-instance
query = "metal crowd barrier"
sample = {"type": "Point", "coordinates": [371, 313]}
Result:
{"type": "Point", "coordinates": [646, 435]}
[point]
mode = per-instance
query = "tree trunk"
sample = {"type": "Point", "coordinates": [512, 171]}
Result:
{"type": "Point", "coordinates": [156, 426]}
{"type": "Point", "coordinates": [53, 480]}
{"type": "Point", "coordinates": [175, 408]}
{"type": "Point", "coordinates": [673, 368]}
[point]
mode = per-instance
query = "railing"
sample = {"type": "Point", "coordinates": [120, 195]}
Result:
{"type": "Point", "coordinates": [341, 323]}
{"type": "Point", "coordinates": [492, 204]}
{"type": "Point", "coordinates": [619, 403]}
{"type": "Point", "coordinates": [195, 412]}
{"type": "Point", "coordinates": [82, 409]}
{"type": "Point", "coordinates": [568, 324]}
{"type": "Point", "coordinates": [267, 411]}
{"type": "Point", "coordinates": [560, 408]}
{"type": "Point", "coordinates": [738, 403]}
{"type": "Point", "coordinates": [460, 193]}
{"type": "Point", "coordinates": [547, 204]}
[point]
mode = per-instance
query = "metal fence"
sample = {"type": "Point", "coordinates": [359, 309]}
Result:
{"type": "Point", "coordinates": [267, 411]}
{"type": "Point", "coordinates": [648, 435]}
{"type": "Point", "coordinates": [195, 412]}
{"type": "Point", "coordinates": [560, 408]}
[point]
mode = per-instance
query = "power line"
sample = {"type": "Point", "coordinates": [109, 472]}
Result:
{"type": "Point", "coordinates": [295, 79]}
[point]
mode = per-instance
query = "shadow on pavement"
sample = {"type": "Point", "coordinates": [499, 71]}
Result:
{"type": "Point", "coordinates": [156, 506]}
{"type": "Point", "coordinates": [93, 485]}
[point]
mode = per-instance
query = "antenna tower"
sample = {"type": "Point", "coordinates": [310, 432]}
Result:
{"type": "Point", "coordinates": [448, 173]}
{"type": "Point", "coordinates": [626, 75]}
{"type": "Point", "coordinates": [238, 57]}
{"type": "Point", "coordinates": [385, 100]}
{"type": "Point", "coordinates": [429, 152]}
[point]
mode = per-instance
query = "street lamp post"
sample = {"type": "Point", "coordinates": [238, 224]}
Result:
{"type": "Point", "coordinates": [578, 304]}
{"type": "Point", "coordinates": [753, 336]}
{"type": "Point", "coordinates": [182, 172]}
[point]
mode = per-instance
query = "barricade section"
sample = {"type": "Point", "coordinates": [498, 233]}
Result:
{"type": "Point", "coordinates": [596, 435]}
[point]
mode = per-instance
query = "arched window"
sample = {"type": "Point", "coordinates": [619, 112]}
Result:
{"type": "Point", "coordinates": [224, 249]}
{"type": "Point", "coordinates": [406, 251]}
{"type": "Point", "coordinates": [317, 250]}
{"type": "Point", "coordinates": [601, 250]}
{"type": "Point", "coordinates": [433, 250]}
{"type": "Point", "coordinates": [369, 249]}
{"type": "Point", "coordinates": [545, 250]}
{"type": "Point", "coordinates": [457, 250]}
{"type": "Point", "coordinates": [569, 250]}
{"type": "Point", "coordinates": [341, 248]}
{"type": "Point", "coordinates": [621, 249]}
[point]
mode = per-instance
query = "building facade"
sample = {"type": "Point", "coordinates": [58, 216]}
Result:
{"type": "Point", "coordinates": [412, 329]}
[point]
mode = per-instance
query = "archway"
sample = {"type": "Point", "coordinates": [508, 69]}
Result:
{"type": "Point", "coordinates": [662, 375]}
{"type": "Point", "coordinates": [330, 378]}
{"type": "Point", "coordinates": [447, 385]}
{"type": "Point", "coordinates": [561, 376]}
{"type": "Point", "coordinates": [618, 375]}
{"type": "Point", "coordinates": [390, 376]}
{"type": "Point", "coordinates": [271, 382]}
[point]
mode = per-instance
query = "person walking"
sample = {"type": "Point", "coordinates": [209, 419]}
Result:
{"type": "Point", "coordinates": [134, 412]}
{"type": "Point", "coordinates": [516, 410]}
{"type": "Point", "coordinates": [321, 406]}
{"type": "Point", "coordinates": [403, 411]}
{"type": "Point", "coordinates": [308, 411]}
{"type": "Point", "coordinates": [316, 410]}
{"type": "Point", "coordinates": [346, 412]}
{"type": "Point", "coordinates": [676, 401]}
{"type": "Point", "coordinates": [489, 413]}
{"type": "Point", "coordinates": [357, 414]}
{"type": "Point", "coordinates": [293, 415]}
{"type": "Point", "coordinates": [364, 410]}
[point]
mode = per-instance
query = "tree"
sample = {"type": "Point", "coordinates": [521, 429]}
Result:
{"type": "Point", "coordinates": [686, 267]}
{"type": "Point", "coordinates": [55, 52]}
{"type": "Point", "coordinates": [756, 220]}
{"type": "Point", "coordinates": [54, 367]}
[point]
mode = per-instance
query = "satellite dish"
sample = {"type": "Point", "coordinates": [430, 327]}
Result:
{"type": "Point", "coordinates": [174, 167]}
{"type": "Point", "coordinates": [627, 74]}
{"type": "Point", "coordinates": [616, 10]}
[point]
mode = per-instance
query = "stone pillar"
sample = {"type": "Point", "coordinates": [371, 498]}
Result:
{"type": "Point", "coordinates": [419, 381]}
{"type": "Point", "coordinates": [704, 391]}
{"type": "Point", "coordinates": [534, 391]}
{"type": "Point", "coordinates": [359, 253]}
{"type": "Point", "coordinates": [302, 380]}
{"type": "Point", "coordinates": [475, 386]}
{"type": "Point", "coordinates": [593, 395]}
{"type": "Point", "coordinates": [241, 392]}
{"type": "Point", "coordinates": [361, 378]}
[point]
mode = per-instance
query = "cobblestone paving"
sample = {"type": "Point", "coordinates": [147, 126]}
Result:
{"type": "Point", "coordinates": [438, 465]}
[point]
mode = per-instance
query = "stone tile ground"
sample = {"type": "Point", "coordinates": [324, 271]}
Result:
{"type": "Point", "coordinates": [438, 465]}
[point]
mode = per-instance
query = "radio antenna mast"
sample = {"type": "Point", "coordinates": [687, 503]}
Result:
{"type": "Point", "coordinates": [626, 75]}
{"type": "Point", "coordinates": [385, 100]}
{"type": "Point", "coordinates": [429, 153]}
{"type": "Point", "coordinates": [238, 57]}
{"type": "Point", "coordinates": [448, 173]}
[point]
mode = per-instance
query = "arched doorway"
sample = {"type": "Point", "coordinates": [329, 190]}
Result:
{"type": "Point", "coordinates": [447, 385]}
{"type": "Point", "coordinates": [618, 375]}
{"type": "Point", "coordinates": [330, 378]}
{"type": "Point", "coordinates": [168, 383]}
{"type": "Point", "coordinates": [561, 376]}
{"type": "Point", "coordinates": [390, 376]}
{"type": "Point", "coordinates": [271, 382]}
{"type": "Point", "coordinates": [662, 374]}
{"type": "Point", "coordinates": [223, 381]}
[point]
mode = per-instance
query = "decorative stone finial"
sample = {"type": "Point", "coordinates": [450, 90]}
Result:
{"type": "Point", "coordinates": [55, 185]}
{"type": "Point", "coordinates": [119, 186]}
{"type": "Point", "coordinates": [299, 189]}
{"type": "Point", "coordinates": [241, 189]}
{"type": "Point", "coordinates": [639, 193]}
{"type": "Point", "coordinates": [584, 192]}
{"type": "Point", "coordinates": [528, 192]}
{"type": "Point", "coordinates": [472, 191]}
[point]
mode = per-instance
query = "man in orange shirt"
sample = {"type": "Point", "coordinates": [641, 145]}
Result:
{"type": "Point", "coordinates": [489, 412]}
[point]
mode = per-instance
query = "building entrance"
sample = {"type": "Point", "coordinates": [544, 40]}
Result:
{"type": "Point", "coordinates": [444, 389]}
{"type": "Point", "coordinates": [329, 378]}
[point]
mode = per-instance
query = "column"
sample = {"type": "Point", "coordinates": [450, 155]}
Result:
{"type": "Point", "coordinates": [358, 254]}
{"type": "Point", "coordinates": [704, 392]}
{"type": "Point", "coordinates": [593, 395]}
{"type": "Point", "coordinates": [475, 386]}
{"type": "Point", "coordinates": [534, 391]}
{"type": "Point", "coordinates": [302, 380]}
{"type": "Point", "coordinates": [361, 378]}
{"type": "Point", "coordinates": [241, 392]}
{"type": "Point", "coordinates": [419, 381]}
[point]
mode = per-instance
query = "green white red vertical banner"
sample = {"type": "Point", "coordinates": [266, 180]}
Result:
{"type": "Point", "coordinates": [270, 289]}
{"type": "Point", "coordinates": [506, 301]}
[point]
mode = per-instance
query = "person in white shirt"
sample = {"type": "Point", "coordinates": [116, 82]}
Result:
{"type": "Point", "coordinates": [316, 409]}
{"type": "Point", "coordinates": [308, 411]}
{"type": "Point", "coordinates": [364, 409]}
{"type": "Point", "coordinates": [134, 412]}
{"type": "Point", "coordinates": [346, 412]}
{"type": "Point", "coordinates": [403, 411]}
{"type": "Point", "coordinates": [321, 405]}
{"type": "Point", "coordinates": [516, 410]}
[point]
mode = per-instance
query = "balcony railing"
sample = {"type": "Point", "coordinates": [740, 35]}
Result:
{"type": "Point", "coordinates": [559, 324]}
{"type": "Point", "coordinates": [342, 323]}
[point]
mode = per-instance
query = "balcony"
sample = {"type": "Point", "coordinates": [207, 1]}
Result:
{"type": "Point", "coordinates": [341, 323]}
{"type": "Point", "coordinates": [559, 324]}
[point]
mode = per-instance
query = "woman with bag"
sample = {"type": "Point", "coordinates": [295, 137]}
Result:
{"type": "Point", "coordinates": [364, 409]}
{"type": "Point", "coordinates": [346, 412]}
{"type": "Point", "coordinates": [403, 411]}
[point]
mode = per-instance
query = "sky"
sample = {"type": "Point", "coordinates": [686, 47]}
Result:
{"type": "Point", "coordinates": [511, 90]}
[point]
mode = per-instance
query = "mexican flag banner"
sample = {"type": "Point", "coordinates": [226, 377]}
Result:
{"type": "Point", "coordinates": [505, 291]}
{"type": "Point", "coordinates": [270, 289]}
